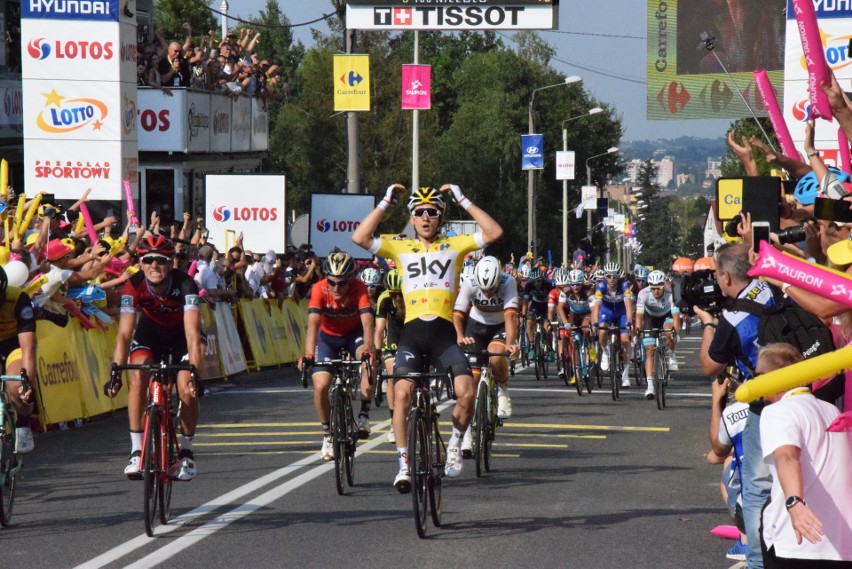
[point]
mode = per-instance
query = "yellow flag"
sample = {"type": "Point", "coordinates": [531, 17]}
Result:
{"type": "Point", "coordinates": [351, 82]}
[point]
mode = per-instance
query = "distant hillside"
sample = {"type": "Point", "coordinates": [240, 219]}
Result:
{"type": "Point", "coordinates": [689, 153]}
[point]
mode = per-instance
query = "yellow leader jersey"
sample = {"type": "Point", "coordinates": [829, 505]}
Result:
{"type": "Point", "coordinates": [430, 276]}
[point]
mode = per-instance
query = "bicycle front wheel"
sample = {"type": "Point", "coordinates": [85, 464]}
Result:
{"type": "Point", "coordinates": [151, 469]}
{"type": "Point", "coordinates": [660, 372]}
{"type": "Point", "coordinates": [167, 477]}
{"type": "Point", "coordinates": [349, 453]}
{"type": "Point", "coordinates": [338, 436]}
{"type": "Point", "coordinates": [614, 371]}
{"type": "Point", "coordinates": [8, 470]}
{"type": "Point", "coordinates": [577, 367]}
{"type": "Point", "coordinates": [420, 467]}
{"type": "Point", "coordinates": [490, 430]}
{"type": "Point", "coordinates": [477, 426]}
{"type": "Point", "coordinates": [436, 480]}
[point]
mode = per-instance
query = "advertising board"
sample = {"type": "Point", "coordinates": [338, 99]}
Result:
{"type": "Point", "coordinates": [253, 205]}
{"type": "Point", "coordinates": [333, 219]}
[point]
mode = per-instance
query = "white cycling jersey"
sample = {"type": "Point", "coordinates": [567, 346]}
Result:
{"type": "Point", "coordinates": [487, 310]}
{"type": "Point", "coordinates": [647, 303]}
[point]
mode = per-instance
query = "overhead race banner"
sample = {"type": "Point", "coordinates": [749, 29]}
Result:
{"type": "Point", "coordinates": [565, 165]}
{"type": "Point", "coordinates": [416, 87]}
{"type": "Point", "coordinates": [684, 79]}
{"type": "Point", "coordinates": [333, 219]}
{"type": "Point", "coordinates": [437, 15]}
{"type": "Point", "coordinates": [351, 82]}
{"type": "Point", "coordinates": [249, 204]}
{"type": "Point", "coordinates": [532, 152]}
{"type": "Point", "coordinates": [835, 26]}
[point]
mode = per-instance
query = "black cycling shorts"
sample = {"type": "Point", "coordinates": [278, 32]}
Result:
{"type": "Point", "coordinates": [432, 339]}
{"type": "Point", "coordinates": [484, 334]}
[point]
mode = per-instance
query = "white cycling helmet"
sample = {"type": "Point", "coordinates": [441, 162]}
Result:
{"type": "Point", "coordinates": [612, 269]}
{"type": "Point", "coordinates": [599, 275]}
{"type": "Point", "coordinates": [370, 277]}
{"type": "Point", "coordinates": [486, 274]}
{"type": "Point", "coordinates": [657, 278]}
{"type": "Point", "coordinates": [524, 271]}
{"type": "Point", "coordinates": [576, 277]}
{"type": "Point", "coordinates": [561, 278]}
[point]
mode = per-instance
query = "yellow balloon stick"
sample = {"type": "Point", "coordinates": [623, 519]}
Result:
{"type": "Point", "coordinates": [795, 375]}
{"type": "Point", "coordinates": [19, 212]}
{"type": "Point", "coordinates": [4, 178]}
{"type": "Point", "coordinates": [116, 247]}
{"type": "Point", "coordinates": [29, 216]}
{"type": "Point", "coordinates": [81, 223]}
{"type": "Point", "coordinates": [6, 231]}
{"type": "Point", "coordinates": [36, 284]}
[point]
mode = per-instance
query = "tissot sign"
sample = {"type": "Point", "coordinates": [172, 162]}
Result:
{"type": "Point", "coordinates": [452, 15]}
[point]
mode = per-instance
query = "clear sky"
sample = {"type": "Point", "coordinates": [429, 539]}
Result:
{"type": "Point", "coordinates": [613, 68]}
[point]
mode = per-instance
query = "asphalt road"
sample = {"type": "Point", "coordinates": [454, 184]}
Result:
{"type": "Point", "coordinates": [576, 482]}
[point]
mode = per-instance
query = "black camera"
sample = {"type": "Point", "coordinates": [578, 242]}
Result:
{"type": "Point", "coordinates": [702, 290]}
{"type": "Point", "coordinates": [731, 226]}
{"type": "Point", "coordinates": [791, 235]}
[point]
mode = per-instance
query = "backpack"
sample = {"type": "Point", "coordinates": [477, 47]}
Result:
{"type": "Point", "coordinates": [788, 323]}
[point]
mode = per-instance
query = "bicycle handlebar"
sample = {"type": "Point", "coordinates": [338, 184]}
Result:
{"type": "Point", "coordinates": [114, 384]}
{"type": "Point", "coordinates": [22, 377]}
{"type": "Point", "coordinates": [339, 363]}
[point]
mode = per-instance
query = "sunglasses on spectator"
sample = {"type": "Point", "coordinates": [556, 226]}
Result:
{"type": "Point", "coordinates": [430, 212]}
{"type": "Point", "coordinates": [335, 284]}
{"type": "Point", "coordinates": [155, 259]}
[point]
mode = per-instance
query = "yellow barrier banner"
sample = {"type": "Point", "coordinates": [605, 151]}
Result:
{"type": "Point", "coordinates": [288, 344]}
{"type": "Point", "coordinates": [95, 357]}
{"type": "Point", "coordinates": [230, 348]}
{"type": "Point", "coordinates": [258, 336]}
{"type": "Point", "coordinates": [279, 336]}
{"type": "Point", "coordinates": [297, 330]}
{"type": "Point", "coordinates": [211, 366]}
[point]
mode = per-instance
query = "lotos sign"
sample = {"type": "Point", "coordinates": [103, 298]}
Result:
{"type": "Point", "coordinates": [253, 205]}
{"type": "Point", "coordinates": [337, 216]}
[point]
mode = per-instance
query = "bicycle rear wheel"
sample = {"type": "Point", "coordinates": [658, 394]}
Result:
{"type": "Point", "coordinates": [151, 469]}
{"type": "Point", "coordinates": [639, 364]}
{"type": "Point", "coordinates": [8, 469]}
{"type": "Point", "coordinates": [545, 356]}
{"type": "Point", "coordinates": [420, 467]}
{"type": "Point", "coordinates": [351, 443]}
{"type": "Point", "coordinates": [577, 367]}
{"type": "Point", "coordinates": [167, 477]}
{"type": "Point", "coordinates": [490, 431]}
{"type": "Point", "coordinates": [479, 427]}
{"type": "Point", "coordinates": [659, 378]}
{"type": "Point", "coordinates": [338, 436]}
{"type": "Point", "coordinates": [614, 371]}
{"type": "Point", "coordinates": [436, 480]}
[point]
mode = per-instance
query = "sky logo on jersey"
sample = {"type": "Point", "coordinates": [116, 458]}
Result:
{"type": "Point", "coordinates": [38, 49]}
{"type": "Point", "coordinates": [221, 213]}
{"type": "Point", "coordinates": [62, 115]}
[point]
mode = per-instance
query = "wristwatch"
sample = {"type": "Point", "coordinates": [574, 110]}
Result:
{"type": "Point", "coordinates": [792, 501]}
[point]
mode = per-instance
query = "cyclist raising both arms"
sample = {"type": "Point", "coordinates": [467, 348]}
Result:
{"type": "Point", "coordinates": [18, 345]}
{"type": "Point", "coordinates": [169, 324]}
{"type": "Point", "coordinates": [430, 266]}
{"type": "Point", "coordinates": [340, 317]}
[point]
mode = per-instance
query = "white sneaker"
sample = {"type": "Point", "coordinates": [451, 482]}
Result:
{"type": "Point", "coordinates": [391, 438]}
{"type": "Point", "coordinates": [24, 442]}
{"type": "Point", "coordinates": [133, 470]}
{"type": "Point", "coordinates": [402, 482]}
{"type": "Point", "coordinates": [453, 466]}
{"type": "Point", "coordinates": [467, 444]}
{"type": "Point", "coordinates": [625, 377]}
{"type": "Point", "coordinates": [187, 471]}
{"type": "Point", "coordinates": [673, 362]}
{"type": "Point", "coordinates": [504, 404]}
{"type": "Point", "coordinates": [363, 427]}
{"type": "Point", "coordinates": [327, 449]}
{"type": "Point", "coordinates": [604, 361]}
{"type": "Point", "coordinates": [649, 391]}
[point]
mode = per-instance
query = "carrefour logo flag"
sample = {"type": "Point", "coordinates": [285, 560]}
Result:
{"type": "Point", "coordinates": [532, 152]}
{"type": "Point", "coordinates": [351, 82]}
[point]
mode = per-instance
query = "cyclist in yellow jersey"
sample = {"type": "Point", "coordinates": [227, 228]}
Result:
{"type": "Point", "coordinates": [430, 267]}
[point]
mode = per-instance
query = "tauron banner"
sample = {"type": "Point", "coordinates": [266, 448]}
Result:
{"type": "Point", "coordinates": [416, 87]}
{"type": "Point", "coordinates": [686, 81]}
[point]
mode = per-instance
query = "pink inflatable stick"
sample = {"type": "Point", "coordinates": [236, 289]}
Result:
{"type": "Point", "coordinates": [843, 152]}
{"type": "Point", "coordinates": [806, 21]}
{"type": "Point", "coordinates": [814, 278]}
{"type": "Point", "coordinates": [770, 102]}
{"type": "Point", "coordinates": [90, 227]}
{"type": "Point", "coordinates": [129, 197]}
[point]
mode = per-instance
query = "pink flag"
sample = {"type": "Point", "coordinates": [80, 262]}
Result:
{"type": "Point", "coordinates": [416, 87]}
{"type": "Point", "coordinates": [806, 21]}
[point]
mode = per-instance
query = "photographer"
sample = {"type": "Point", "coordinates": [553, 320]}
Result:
{"type": "Point", "coordinates": [733, 337]}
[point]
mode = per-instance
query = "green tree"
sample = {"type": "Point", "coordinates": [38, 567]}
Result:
{"type": "Point", "coordinates": [657, 228]}
{"type": "Point", "coordinates": [746, 128]}
{"type": "Point", "coordinates": [170, 16]}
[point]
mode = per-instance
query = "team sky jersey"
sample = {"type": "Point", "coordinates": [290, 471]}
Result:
{"type": "Point", "coordinates": [646, 302]}
{"type": "Point", "coordinates": [165, 311]}
{"type": "Point", "coordinates": [488, 310]}
{"type": "Point", "coordinates": [340, 317]}
{"type": "Point", "coordinates": [16, 317]}
{"type": "Point", "coordinates": [430, 275]}
{"type": "Point", "coordinates": [581, 304]}
{"type": "Point", "coordinates": [613, 299]}
{"type": "Point", "coordinates": [537, 295]}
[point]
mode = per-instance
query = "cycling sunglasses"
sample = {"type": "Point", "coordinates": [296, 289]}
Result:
{"type": "Point", "coordinates": [612, 276]}
{"type": "Point", "coordinates": [335, 284]}
{"type": "Point", "coordinates": [430, 212]}
{"type": "Point", "coordinates": [155, 259]}
{"type": "Point", "coordinates": [657, 288]}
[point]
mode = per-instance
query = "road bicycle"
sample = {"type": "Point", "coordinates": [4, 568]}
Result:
{"type": "Point", "coordinates": [582, 366]}
{"type": "Point", "coordinates": [426, 449]}
{"type": "Point", "coordinates": [639, 363]}
{"type": "Point", "coordinates": [160, 448]}
{"type": "Point", "coordinates": [345, 381]}
{"type": "Point", "coordinates": [616, 359]}
{"type": "Point", "coordinates": [523, 344]}
{"type": "Point", "coordinates": [485, 420]}
{"type": "Point", "coordinates": [541, 349]}
{"type": "Point", "coordinates": [662, 373]}
{"type": "Point", "coordinates": [11, 462]}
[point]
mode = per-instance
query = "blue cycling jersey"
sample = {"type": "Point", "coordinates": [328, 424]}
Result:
{"type": "Point", "coordinates": [610, 298]}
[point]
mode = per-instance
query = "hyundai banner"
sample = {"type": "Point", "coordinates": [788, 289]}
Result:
{"type": "Point", "coordinates": [416, 87]}
{"type": "Point", "coordinates": [333, 219]}
{"type": "Point", "coordinates": [251, 205]}
{"type": "Point", "coordinates": [532, 152]}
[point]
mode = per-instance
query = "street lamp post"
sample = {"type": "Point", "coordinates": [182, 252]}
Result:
{"type": "Point", "coordinates": [531, 174]}
{"type": "Point", "coordinates": [589, 183]}
{"type": "Point", "coordinates": [592, 111]}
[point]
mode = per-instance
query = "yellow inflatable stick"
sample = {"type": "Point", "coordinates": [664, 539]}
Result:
{"type": "Point", "coordinates": [36, 284]}
{"type": "Point", "coordinates": [30, 213]}
{"type": "Point", "coordinates": [19, 212]}
{"type": "Point", "coordinates": [117, 245]}
{"type": "Point", "coordinates": [4, 178]}
{"type": "Point", "coordinates": [795, 375]}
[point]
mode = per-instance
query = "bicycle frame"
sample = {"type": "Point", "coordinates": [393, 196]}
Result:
{"type": "Point", "coordinates": [485, 421]}
{"type": "Point", "coordinates": [11, 462]}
